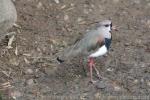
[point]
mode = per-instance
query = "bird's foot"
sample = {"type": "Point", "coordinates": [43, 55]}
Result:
{"type": "Point", "coordinates": [99, 76]}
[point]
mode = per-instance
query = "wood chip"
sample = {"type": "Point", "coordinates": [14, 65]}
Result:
{"type": "Point", "coordinates": [26, 61]}
{"type": "Point", "coordinates": [27, 54]}
{"type": "Point", "coordinates": [62, 7]}
{"type": "Point", "coordinates": [10, 42]}
{"type": "Point", "coordinates": [16, 51]}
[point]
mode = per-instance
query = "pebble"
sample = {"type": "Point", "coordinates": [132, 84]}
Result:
{"type": "Point", "coordinates": [148, 23]}
{"type": "Point", "coordinates": [142, 80]}
{"type": "Point", "coordinates": [136, 1]}
{"type": "Point", "coordinates": [57, 1]}
{"type": "Point", "coordinates": [117, 88]}
{"type": "Point", "coordinates": [39, 5]}
{"type": "Point", "coordinates": [83, 96]}
{"type": "Point", "coordinates": [85, 11]}
{"type": "Point", "coordinates": [143, 65]}
{"type": "Point", "coordinates": [72, 4]}
{"type": "Point", "coordinates": [66, 17]}
{"type": "Point", "coordinates": [97, 95]}
{"type": "Point", "coordinates": [110, 69]}
{"type": "Point", "coordinates": [29, 71]}
{"type": "Point", "coordinates": [148, 4]}
{"type": "Point", "coordinates": [100, 85]}
{"type": "Point", "coordinates": [62, 7]}
{"type": "Point", "coordinates": [148, 83]}
{"type": "Point", "coordinates": [115, 1]}
{"type": "Point", "coordinates": [30, 82]}
{"type": "Point", "coordinates": [14, 61]}
{"type": "Point", "coordinates": [15, 94]}
{"type": "Point", "coordinates": [26, 61]}
{"type": "Point", "coordinates": [79, 19]}
{"type": "Point", "coordinates": [135, 81]}
{"type": "Point", "coordinates": [92, 5]}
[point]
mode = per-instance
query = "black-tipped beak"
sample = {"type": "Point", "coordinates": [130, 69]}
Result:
{"type": "Point", "coordinates": [114, 28]}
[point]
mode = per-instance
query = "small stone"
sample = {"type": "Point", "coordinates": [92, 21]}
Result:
{"type": "Point", "coordinates": [97, 95]}
{"type": "Point", "coordinates": [26, 61]}
{"type": "Point", "coordinates": [92, 5]}
{"type": "Point", "coordinates": [90, 10]}
{"type": "Point", "coordinates": [66, 17]}
{"type": "Point", "coordinates": [29, 71]}
{"type": "Point", "coordinates": [115, 1]}
{"type": "Point", "coordinates": [112, 98]}
{"type": "Point", "coordinates": [148, 23]}
{"type": "Point", "coordinates": [15, 94]}
{"type": "Point", "coordinates": [57, 1]}
{"type": "Point", "coordinates": [117, 88]}
{"type": "Point", "coordinates": [142, 80]}
{"type": "Point", "coordinates": [110, 69]}
{"type": "Point", "coordinates": [62, 7]}
{"type": "Point", "coordinates": [30, 82]}
{"type": "Point", "coordinates": [72, 4]}
{"type": "Point", "coordinates": [85, 11]}
{"type": "Point", "coordinates": [83, 96]}
{"type": "Point", "coordinates": [143, 65]}
{"type": "Point", "coordinates": [148, 83]}
{"type": "Point", "coordinates": [148, 4]}
{"type": "Point", "coordinates": [14, 61]}
{"type": "Point", "coordinates": [100, 85]}
{"type": "Point", "coordinates": [136, 1]}
{"type": "Point", "coordinates": [126, 44]}
{"type": "Point", "coordinates": [135, 81]}
{"type": "Point", "coordinates": [79, 19]}
{"type": "Point", "coordinates": [39, 5]}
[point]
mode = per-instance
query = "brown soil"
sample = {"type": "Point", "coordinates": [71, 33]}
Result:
{"type": "Point", "coordinates": [48, 27]}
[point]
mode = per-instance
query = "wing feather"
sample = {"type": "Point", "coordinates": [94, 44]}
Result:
{"type": "Point", "coordinates": [89, 43]}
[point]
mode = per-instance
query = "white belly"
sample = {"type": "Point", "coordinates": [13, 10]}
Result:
{"type": "Point", "coordinates": [101, 51]}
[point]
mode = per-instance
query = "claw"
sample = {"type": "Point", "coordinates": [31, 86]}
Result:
{"type": "Point", "coordinates": [97, 72]}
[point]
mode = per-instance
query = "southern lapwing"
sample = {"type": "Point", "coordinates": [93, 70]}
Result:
{"type": "Point", "coordinates": [95, 43]}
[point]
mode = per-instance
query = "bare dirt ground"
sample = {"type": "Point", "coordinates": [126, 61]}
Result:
{"type": "Point", "coordinates": [29, 70]}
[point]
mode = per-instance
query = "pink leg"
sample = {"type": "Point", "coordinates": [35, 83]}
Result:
{"type": "Point", "coordinates": [97, 72]}
{"type": "Point", "coordinates": [91, 63]}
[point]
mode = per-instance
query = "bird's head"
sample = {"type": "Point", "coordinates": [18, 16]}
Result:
{"type": "Point", "coordinates": [107, 26]}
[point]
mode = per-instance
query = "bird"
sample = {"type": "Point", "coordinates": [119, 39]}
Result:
{"type": "Point", "coordinates": [93, 44]}
{"type": "Point", "coordinates": [8, 16]}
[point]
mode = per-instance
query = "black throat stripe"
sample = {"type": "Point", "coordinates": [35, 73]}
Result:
{"type": "Point", "coordinates": [108, 42]}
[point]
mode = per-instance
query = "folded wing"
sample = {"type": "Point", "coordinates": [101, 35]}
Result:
{"type": "Point", "coordinates": [87, 45]}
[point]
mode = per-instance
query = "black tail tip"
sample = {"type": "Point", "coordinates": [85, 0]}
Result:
{"type": "Point", "coordinates": [60, 60]}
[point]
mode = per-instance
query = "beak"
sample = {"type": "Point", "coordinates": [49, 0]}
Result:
{"type": "Point", "coordinates": [114, 28]}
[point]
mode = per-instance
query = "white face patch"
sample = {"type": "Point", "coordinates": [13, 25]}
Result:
{"type": "Point", "coordinates": [105, 31]}
{"type": "Point", "coordinates": [100, 52]}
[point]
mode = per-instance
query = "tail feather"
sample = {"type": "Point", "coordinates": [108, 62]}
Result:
{"type": "Point", "coordinates": [68, 53]}
{"type": "Point", "coordinates": [60, 60]}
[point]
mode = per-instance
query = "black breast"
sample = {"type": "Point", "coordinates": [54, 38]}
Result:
{"type": "Point", "coordinates": [107, 42]}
